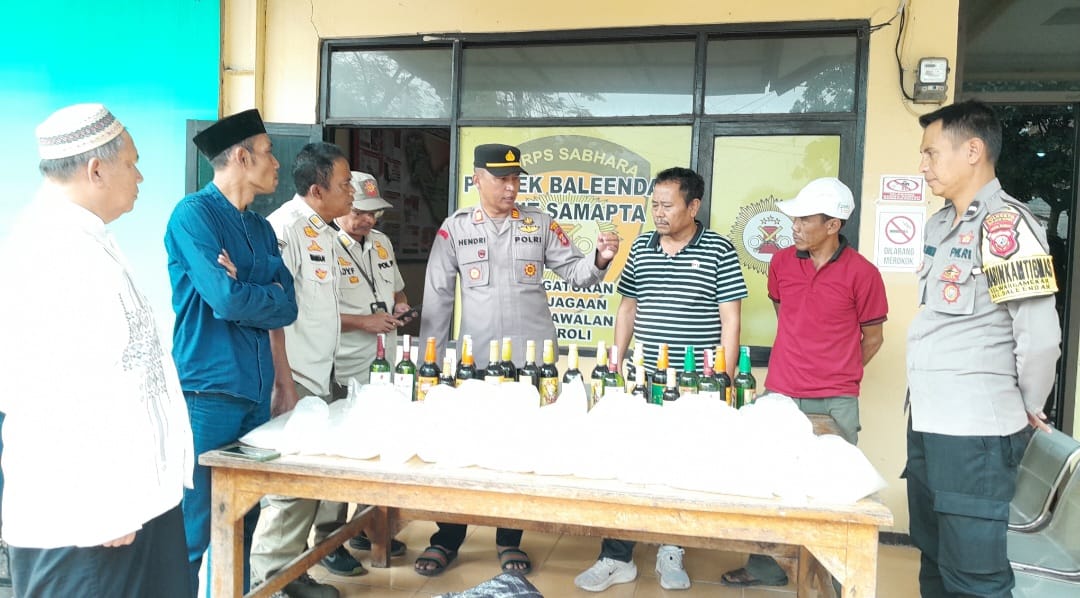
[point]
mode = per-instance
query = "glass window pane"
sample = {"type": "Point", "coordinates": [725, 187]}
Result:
{"type": "Point", "coordinates": [779, 76]}
{"type": "Point", "coordinates": [576, 80]}
{"type": "Point", "coordinates": [390, 83]}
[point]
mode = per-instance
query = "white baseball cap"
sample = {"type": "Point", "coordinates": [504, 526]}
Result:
{"type": "Point", "coordinates": [826, 196]}
{"type": "Point", "coordinates": [366, 195]}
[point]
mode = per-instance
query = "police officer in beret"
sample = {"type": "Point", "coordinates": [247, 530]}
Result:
{"type": "Point", "coordinates": [499, 250]}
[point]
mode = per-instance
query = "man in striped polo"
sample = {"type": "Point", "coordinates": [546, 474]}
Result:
{"type": "Point", "coordinates": [681, 285]}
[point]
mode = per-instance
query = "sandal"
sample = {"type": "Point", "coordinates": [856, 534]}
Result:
{"type": "Point", "coordinates": [437, 556]}
{"type": "Point", "coordinates": [362, 542]}
{"type": "Point", "coordinates": [509, 557]}
{"type": "Point", "coordinates": [742, 578]}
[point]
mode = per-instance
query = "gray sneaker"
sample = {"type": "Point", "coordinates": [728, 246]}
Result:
{"type": "Point", "coordinates": [669, 568]}
{"type": "Point", "coordinates": [604, 573]}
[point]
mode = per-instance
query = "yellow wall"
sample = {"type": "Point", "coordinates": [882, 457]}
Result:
{"type": "Point", "coordinates": [284, 85]}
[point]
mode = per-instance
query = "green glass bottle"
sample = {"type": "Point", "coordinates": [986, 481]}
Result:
{"type": "Point", "coordinates": [549, 375]}
{"type": "Point", "coordinates": [722, 377]}
{"type": "Point", "coordinates": [379, 372]}
{"type": "Point", "coordinates": [688, 378]}
{"type": "Point", "coordinates": [659, 380]}
{"type": "Point", "coordinates": [467, 369]}
{"type": "Point", "coordinates": [530, 372]}
{"type": "Point", "coordinates": [671, 390]}
{"type": "Point", "coordinates": [613, 380]}
{"type": "Point", "coordinates": [708, 385]}
{"type": "Point", "coordinates": [405, 370]}
{"type": "Point", "coordinates": [446, 377]}
{"type": "Point", "coordinates": [596, 380]}
{"type": "Point", "coordinates": [493, 374]}
{"type": "Point", "coordinates": [572, 370]}
{"type": "Point", "coordinates": [428, 374]}
{"type": "Point", "coordinates": [745, 384]}
{"type": "Point", "coordinates": [510, 371]}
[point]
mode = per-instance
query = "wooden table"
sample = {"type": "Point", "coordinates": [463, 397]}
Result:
{"type": "Point", "coordinates": [841, 538]}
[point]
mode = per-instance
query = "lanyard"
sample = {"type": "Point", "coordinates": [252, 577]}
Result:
{"type": "Point", "coordinates": [346, 242]}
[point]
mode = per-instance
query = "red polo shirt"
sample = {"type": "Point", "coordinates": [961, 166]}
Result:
{"type": "Point", "coordinates": [817, 351]}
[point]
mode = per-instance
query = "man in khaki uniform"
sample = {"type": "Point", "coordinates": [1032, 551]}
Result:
{"type": "Point", "coordinates": [499, 250]}
{"type": "Point", "coordinates": [303, 352]}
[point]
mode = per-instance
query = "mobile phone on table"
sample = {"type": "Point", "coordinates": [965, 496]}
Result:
{"type": "Point", "coordinates": [409, 315]}
{"type": "Point", "coordinates": [251, 453]}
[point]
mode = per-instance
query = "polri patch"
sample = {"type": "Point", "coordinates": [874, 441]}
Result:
{"type": "Point", "coordinates": [1000, 230]}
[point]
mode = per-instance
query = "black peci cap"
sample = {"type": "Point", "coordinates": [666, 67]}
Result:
{"type": "Point", "coordinates": [498, 159]}
{"type": "Point", "coordinates": [228, 131]}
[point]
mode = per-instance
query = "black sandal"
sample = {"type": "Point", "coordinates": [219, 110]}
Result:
{"type": "Point", "coordinates": [508, 557]}
{"type": "Point", "coordinates": [438, 556]}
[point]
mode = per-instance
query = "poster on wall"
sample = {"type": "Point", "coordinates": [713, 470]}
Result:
{"type": "Point", "coordinates": [899, 238]}
{"type": "Point", "coordinates": [750, 175]}
{"type": "Point", "coordinates": [590, 179]}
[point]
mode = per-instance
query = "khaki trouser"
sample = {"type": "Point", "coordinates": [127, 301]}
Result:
{"type": "Point", "coordinates": [285, 522]}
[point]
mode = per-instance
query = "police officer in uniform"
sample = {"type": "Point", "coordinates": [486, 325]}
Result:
{"type": "Point", "coordinates": [499, 250]}
{"type": "Point", "coordinates": [981, 357]}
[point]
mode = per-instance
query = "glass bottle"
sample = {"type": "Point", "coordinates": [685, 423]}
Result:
{"type": "Point", "coordinates": [639, 389]}
{"type": "Point", "coordinates": [659, 381]}
{"type": "Point", "coordinates": [671, 390]}
{"type": "Point", "coordinates": [405, 370]}
{"type": "Point", "coordinates": [745, 384]}
{"type": "Point", "coordinates": [428, 374]}
{"type": "Point", "coordinates": [688, 378]}
{"type": "Point", "coordinates": [379, 372]}
{"type": "Point", "coordinates": [549, 375]}
{"type": "Point", "coordinates": [722, 377]}
{"type": "Point", "coordinates": [467, 369]}
{"type": "Point", "coordinates": [493, 374]}
{"type": "Point", "coordinates": [530, 372]}
{"type": "Point", "coordinates": [446, 377]}
{"type": "Point", "coordinates": [572, 370]}
{"type": "Point", "coordinates": [708, 385]}
{"type": "Point", "coordinates": [510, 371]}
{"type": "Point", "coordinates": [596, 380]}
{"type": "Point", "coordinates": [614, 379]}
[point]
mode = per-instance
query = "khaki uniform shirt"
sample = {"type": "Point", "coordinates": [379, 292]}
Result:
{"type": "Point", "coordinates": [309, 248]}
{"type": "Point", "coordinates": [501, 267]}
{"type": "Point", "coordinates": [975, 367]}
{"type": "Point", "coordinates": [357, 264]}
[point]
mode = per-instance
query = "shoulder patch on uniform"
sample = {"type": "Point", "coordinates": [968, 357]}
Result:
{"type": "Point", "coordinates": [444, 234]}
{"type": "Point", "coordinates": [555, 228]}
{"type": "Point", "coordinates": [1015, 262]}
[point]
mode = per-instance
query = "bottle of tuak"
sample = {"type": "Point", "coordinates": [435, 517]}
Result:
{"type": "Point", "coordinates": [446, 377]}
{"type": "Point", "coordinates": [688, 378]}
{"type": "Point", "coordinates": [405, 370]}
{"type": "Point", "coordinates": [613, 380]}
{"type": "Point", "coordinates": [722, 377]}
{"type": "Point", "coordinates": [529, 372]}
{"type": "Point", "coordinates": [428, 374]}
{"type": "Point", "coordinates": [671, 391]}
{"type": "Point", "coordinates": [572, 370]}
{"type": "Point", "coordinates": [510, 372]}
{"type": "Point", "coordinates": [379, 372]}
{"type": "Point", "coordinates": [640, 388]}
{"type": "Point", "coordinates": [596, 380]}
{"type": "Point", "coordinates": [494, 372]}
{"type": "Point", "coordinates": [549, 375]}
{"type": "Point", "coordinates": [708, 385]}
{"type": "Point", "coordinates": [745, 384]}
{"type": "Point", "coordinates": [467, 368]}
{"type": "Point", "coordinates": [659, 381]}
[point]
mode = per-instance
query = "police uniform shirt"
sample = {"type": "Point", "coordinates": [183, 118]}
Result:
{"type": "Point", "coordinates": [374, 261]}
{"type": "Point", "coordinates": [975, 366]}
{"type": "Point", "coordinates": [308, 248]}
{"type": "Point", "coordinates": [501, 266]}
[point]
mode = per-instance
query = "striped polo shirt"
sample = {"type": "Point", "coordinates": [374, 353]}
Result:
{"type": "Point", "coordinates": [679, 296]}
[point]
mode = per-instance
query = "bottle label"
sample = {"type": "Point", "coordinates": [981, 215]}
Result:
{"type": "Point", "coordinates": [727, 395]}
{"type": "Point", "coordinates": [657, 395]}
{"type": "Point", "coordinates": [379, 378]}
{"type": "Point", "coordinates": [493, 379]}
{"type": "Point", "coordinates": [687, 390]}
{"type": "Point", "coordinates": [549, 390]}
{"type": "Point", "coordinates": [709, 394]}
{"type": "Point", "coordinates": [423, 385]}
{"type": "Point", "coordinates": [596, 390]}
{"type": "Point", "coordinates": [404, 384]}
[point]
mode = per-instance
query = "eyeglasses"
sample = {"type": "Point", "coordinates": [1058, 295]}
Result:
{"type": "Point", "coordinates": [377, 214]}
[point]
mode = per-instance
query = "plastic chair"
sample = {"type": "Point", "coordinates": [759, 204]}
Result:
{"type": "Point", "coordinates": [1054, 551]}
{"type": "Point", "coordinates": [1047, 460]}
{"type": "Point", "coordinates": [1030, 585]}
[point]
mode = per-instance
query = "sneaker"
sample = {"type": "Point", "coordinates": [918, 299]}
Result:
{"type": "Point", "coordinates": [361, 542]}
{"type": "Point", "coordinates": [306, 587]}
{"type": "Point", "coordinates": [669, 568]}
{"type": "Point", "coordinates": [341, 562]}
{"type": "Point", "coordinates": [605, 573]}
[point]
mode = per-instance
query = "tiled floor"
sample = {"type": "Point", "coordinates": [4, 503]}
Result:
{"type": "Point", "coordinates": [558, 559]}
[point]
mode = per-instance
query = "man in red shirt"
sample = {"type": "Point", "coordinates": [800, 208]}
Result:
{"type": "Point", "coordinates": [830, 307]}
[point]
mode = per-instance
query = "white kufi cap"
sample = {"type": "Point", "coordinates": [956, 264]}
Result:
{"type": "Point", "coordinates": [76, 129]}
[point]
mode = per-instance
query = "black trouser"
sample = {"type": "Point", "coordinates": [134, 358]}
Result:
{"type": "Point", "coordinates": [959, 489]}
{"type": "Point", "coordinates": [451, 535]}
{"type": "Point", "coordinates": [154, 565]}
{"type": "Point", "coordinates": [619, 550]}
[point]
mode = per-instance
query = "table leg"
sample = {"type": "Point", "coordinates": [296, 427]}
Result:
{"type": "Point", "coordinates": [227, 508]}
{"type": "Point", "coordinates": [854, 565]}
{"type": "Point", "coordinates": [380, 532]}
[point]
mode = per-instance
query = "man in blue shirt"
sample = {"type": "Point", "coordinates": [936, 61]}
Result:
{"type": "Point", "coordinates": [230, 288]}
